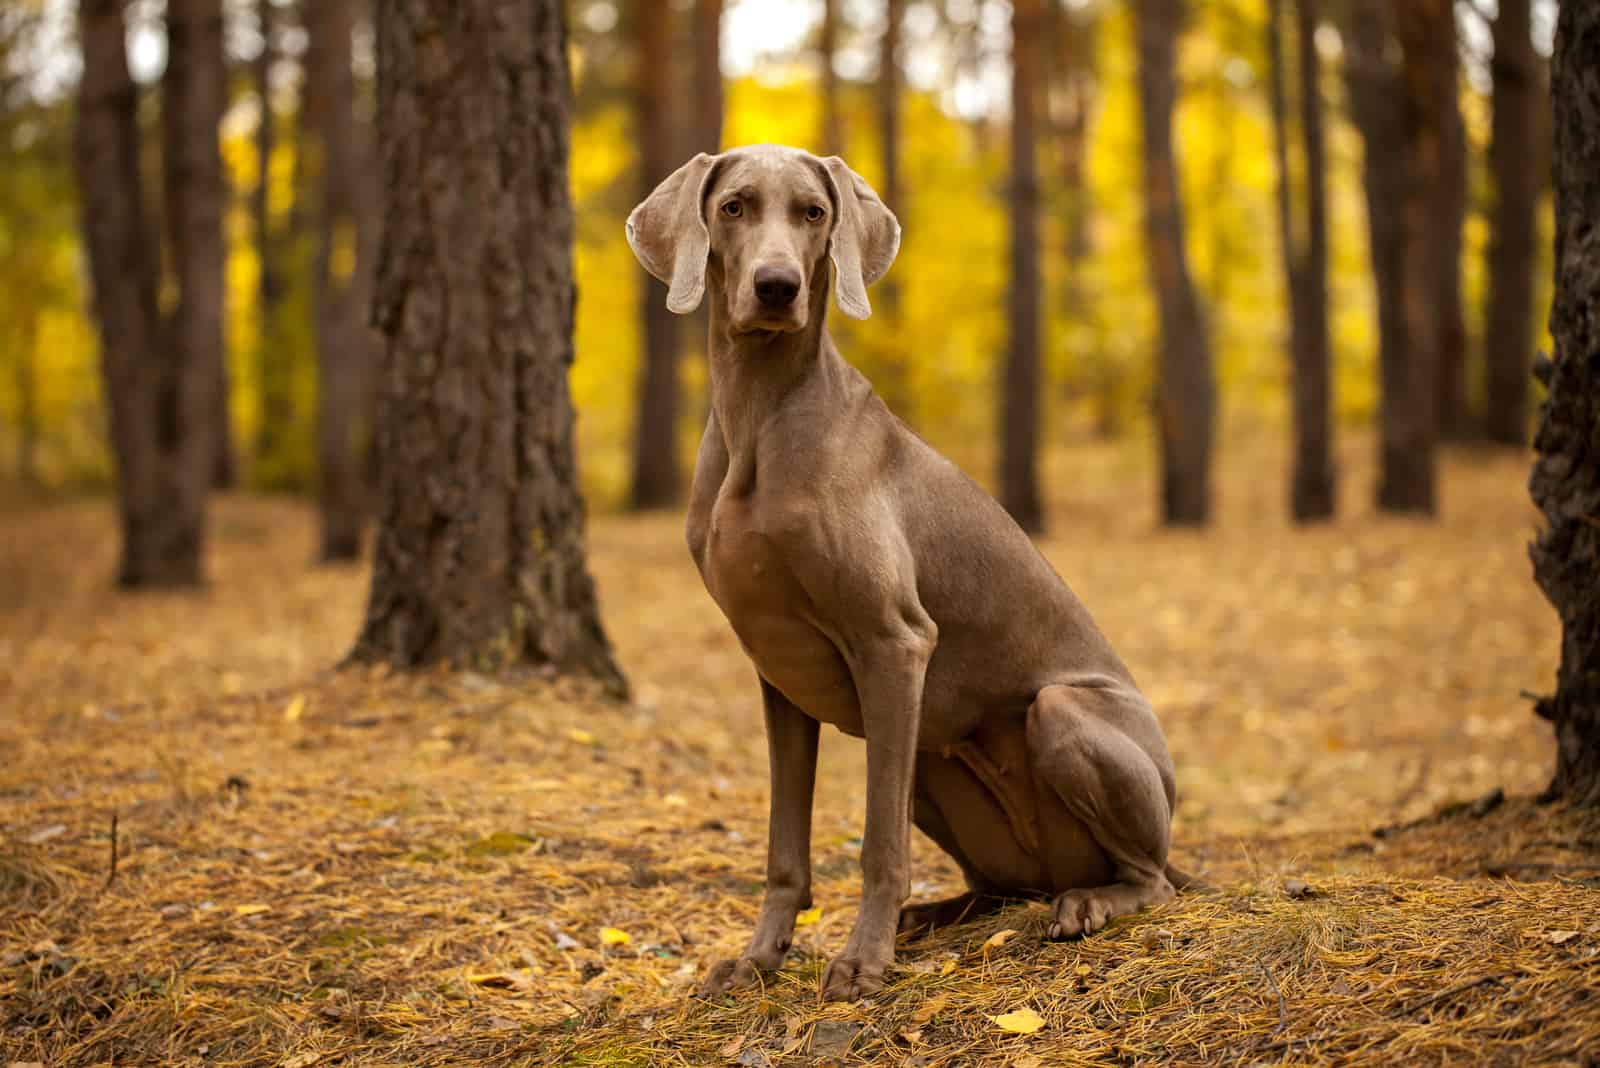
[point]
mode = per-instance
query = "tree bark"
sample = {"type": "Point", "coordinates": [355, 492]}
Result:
{"type": "Point", "coordinates": [827, 47]}
{"type": "Point", "coordinates": [193, 97]}
{"type": "Point", "coordinates": [707, 33]}
{"type": "Point", "coordinates": [1019, 412]}
{"type": "Point", "coordinates": [1508, 329]}
{"type": "Point", "coordinates": [1305, 262]}
{"type": "Point", "coordinates": [480, 557]}
{"type": "Point", "coordinates": [895, 385]}
{"type": "Point", "coordinates": [1374, 85]}
{"type": "Point", "coordinates": [271, 381]}
{"type": "Point", "coordinates": [341, 280]}
{"type": "Point", "coordinates": [162, 453]}
{"type": "Point", "coordinates": [1566, 479]}
{"type": "Point", "coordinates": [657, 478]}
{"type": "Point", "coordinates": [1411, 410]}
{"type": "Point", "coordinates": [1186, 390]}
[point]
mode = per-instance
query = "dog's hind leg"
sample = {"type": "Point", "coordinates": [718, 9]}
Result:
{"type": "Point", "coordinates": [1098, 751]}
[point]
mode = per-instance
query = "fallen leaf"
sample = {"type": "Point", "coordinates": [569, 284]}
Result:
{"type": "Point", "coordinates": [521, 981]}
{"type": "Point", "coordinates": [291, 714]}
{"type": "Point", "coordinates": [833, 1037]}
{"type": "Point", "coordinates": [998, 939]}
{"type": "Point", "coordinates": [913, 1037]}
{"type": "Point", "coordinates": [1027, 1060]}
{"type": "Point", "coordinates": [949, 966]}
{"type": "Point", "coordinates": [253, 910]}
{"type": "Point", "coordinates": [303, 1060]}
{"type": "Point", "coordinates": [614, 936]}
{"type": "Point", "coordinates": [1557, 938]}
{"type": "Point", "coordinates": [1083, 971]}
{"type": "Point", "coordinates": [565, 941]}
{"type": "Point", "coordinates": [1020, 1022]}
{"type": "Point", "coordinates": [1151, 937]}
{"type": "Point", "coordinates": [808, 917]}
{"type": "Point", "coordinates": [44, 834]}
{"type": "Point", "coordinates": [579, 735]}
{"type": "Point", "coordinates": [1298, 888]}
{"type": "Point", "coordinates": [732, 1047]}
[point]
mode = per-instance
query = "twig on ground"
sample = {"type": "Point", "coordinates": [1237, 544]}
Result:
{"type": "Point", "coordinates": [1283, 1008]}
{"type": "Point", "coordinates": [112, 874]}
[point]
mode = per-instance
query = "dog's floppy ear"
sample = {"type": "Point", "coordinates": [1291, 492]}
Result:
{"type": "Point", "coordinates": [865, 238]}
{"type": "Point", "coordinates": [668, 233]}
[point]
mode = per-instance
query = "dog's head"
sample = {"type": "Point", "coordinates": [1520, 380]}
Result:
{"type": "Point", "coordinates": [764, 222]}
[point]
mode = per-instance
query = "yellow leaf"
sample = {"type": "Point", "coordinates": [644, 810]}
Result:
{"type": "Point", "coordinates": [613, 936]}
{"type": "Point", "coordinates": [929, 1009]}
{"type": "Point", "coordinates": [1082, 971]}
{"type": "Point", "coordinates": [519, 981]}
{"type": "Point", "coordinates": [1021, 1022]}
{"type": "Point", "coordinates": [1556, 938]}
{"type": "Point", "coordinates": [250, 910]}
{"type": "Point", "coordinates": [808, 917]}
{"type": "Point", "coordinates": [949, 966]}
{"type": "Point", "coordinates": [295, 709]}
{"type": "Point", "coordinates": [579, 735]}
{"type": "Point", "coordinates": [998, 939]}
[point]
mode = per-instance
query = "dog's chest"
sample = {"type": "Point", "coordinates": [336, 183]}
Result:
{"type": "Point", "coordinates": [749, 565]}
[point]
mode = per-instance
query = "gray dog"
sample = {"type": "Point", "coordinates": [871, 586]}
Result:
{"type": "Point", "coordinates": [878, 589]}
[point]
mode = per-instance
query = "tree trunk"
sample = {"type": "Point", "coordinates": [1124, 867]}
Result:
{"type": "Point", "coordinates": [895, 385]}
{"type": "Point", "coordinates": [1374, 85]}
{"type": "Point", "coordinates": [1566, 480]}
{"type": "Point", "coordinates": [1449, 214]}
{"type": "Point", "coordinates": [341, 285]}
{"type": "Point", "coordinates": [1019, 410]}
{"type": "Point", "coordinates": [1305, 263]}
{"type": "Point", "coordinates": [1185, 390]}
{"type": "Point", "coordinates": [480, 556]}
{"type": "Point", "coordinates": [161, 454]}
{"type": "Point", "coordinates": [1508, 329]}
{"type": "Point", "coordinates": [193, 97]}
{"type": "Point", "coordinates": [827, 48]}
{"type": "Point", "coordinates": [657, 478]}
{"type": "Point", "coordinates": [1411, 410]}
{"type": "Point", "coordinates": [271, 380]}
{"type": "Point", "coordinates": [708, 75]}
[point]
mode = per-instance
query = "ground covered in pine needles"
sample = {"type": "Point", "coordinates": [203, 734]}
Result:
{"type": "Point", "coordinates": [215, 849]}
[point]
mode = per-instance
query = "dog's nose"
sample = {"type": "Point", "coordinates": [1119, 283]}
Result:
{"type": "Point", "coordinates": [776, 287]}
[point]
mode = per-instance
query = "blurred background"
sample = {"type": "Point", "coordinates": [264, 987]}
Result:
{"type": "Point", "coordinates": [1322, 186]}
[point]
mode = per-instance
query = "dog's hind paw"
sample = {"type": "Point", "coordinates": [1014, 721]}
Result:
{"type": "Point", "coordinates": [849, 979]}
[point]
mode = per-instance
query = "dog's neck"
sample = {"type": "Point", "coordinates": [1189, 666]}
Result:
{"type": "Point", "coordinates": [752, 374]}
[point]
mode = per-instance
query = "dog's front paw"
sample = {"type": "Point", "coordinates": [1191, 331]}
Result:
{"type": "Point", "coordinates": [849, 979]}
{"type": "Point", "coordinates": [726, 976]}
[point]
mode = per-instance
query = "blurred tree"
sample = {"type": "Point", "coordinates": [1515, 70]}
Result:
{"type": "Point", "coordinates": [480, 555]}
{"type": "Point", "coordinates": [1185, 403]}
{"type": "Point", "coordinates": [657, 476]}
{"type": "Point", "coordinates": [1448, 215]}
{"type": "Point", "coordinates": [707, 36]}
{"type": "Point", "coordinates": [342, 273]}
{"type": "Point", "coordinates": [1566, 480]}
{"type": "Point", "coordinates": [193, 96]}
{"type": "Point", "coordinates": [827, 49]}
{"type": "Point", "coordinates": [1373, 80]}
{"type": "Point", "coordinates": [893, 383]}
{"type": "Point", "coordinates": [1305, 261]}
{"type": "Point", "coordinates": [1019, 418]}
{"type": "Point", "coordinates": [1412, 397]}
{"type": "Point", "coordinates": [161, 398]}
{"type": "Point", "coordinates": [271, 386]}
{"type": "Point", "coordinates": [1517, 132]}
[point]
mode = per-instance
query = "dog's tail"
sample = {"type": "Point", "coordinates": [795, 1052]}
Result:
{"type": "Point", "coordinates": [1183, 882]}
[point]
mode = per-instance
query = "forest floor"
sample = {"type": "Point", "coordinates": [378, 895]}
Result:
{"type": "Point", "coordinates": [321, 867]}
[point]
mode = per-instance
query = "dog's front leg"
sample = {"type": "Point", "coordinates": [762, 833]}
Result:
{"type": "Point", "coordinates": [889, 672]}
{"type": "Point", "coordinates": [792, 753]}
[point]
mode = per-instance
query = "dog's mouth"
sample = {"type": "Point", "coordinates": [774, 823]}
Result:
{"type": "Point", "coordinates": [771, 326]}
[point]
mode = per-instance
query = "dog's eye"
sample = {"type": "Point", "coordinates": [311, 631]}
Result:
{"type": "Point", "coordinates": [814, 213]}
{"type": "Point", "coordinates": [733, 209]}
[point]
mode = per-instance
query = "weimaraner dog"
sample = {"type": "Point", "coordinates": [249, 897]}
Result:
{"type": "Point", "coordinates": [878, 589]}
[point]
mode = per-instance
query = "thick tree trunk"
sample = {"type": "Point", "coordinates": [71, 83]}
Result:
{"type": "Point", "coordinates": [1374, 85]}
{"type": "Point", "coordinates": [657, 478]}
{"type": "Point", "coordinates": [271, 381]}
{"type": "Point", "coordinates": [1185, 404]}
{"type": "Point", "coordinates": [1305, 263]}
{"type": "Point", "coordinates": [162, 452]}
{"type": "Point", "coordinates": [1019, 412]}
{"type": "Point", "coordinates": [1508, 329]}
{"type": "Point", "coordinates": [895, 385]}
{"type": "Point", "coordinates": [707, 34]}
{"type": "Point", "coordinates": [1566, 478]}
{"type": "Point", "coordinates": [193, 96]}
{"type": "Point", "coordinates": [480, 551]}
{"type": "Point", "coordinates": [827, 48]}
{"type": "Point", "coordinates": [341, 280]}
